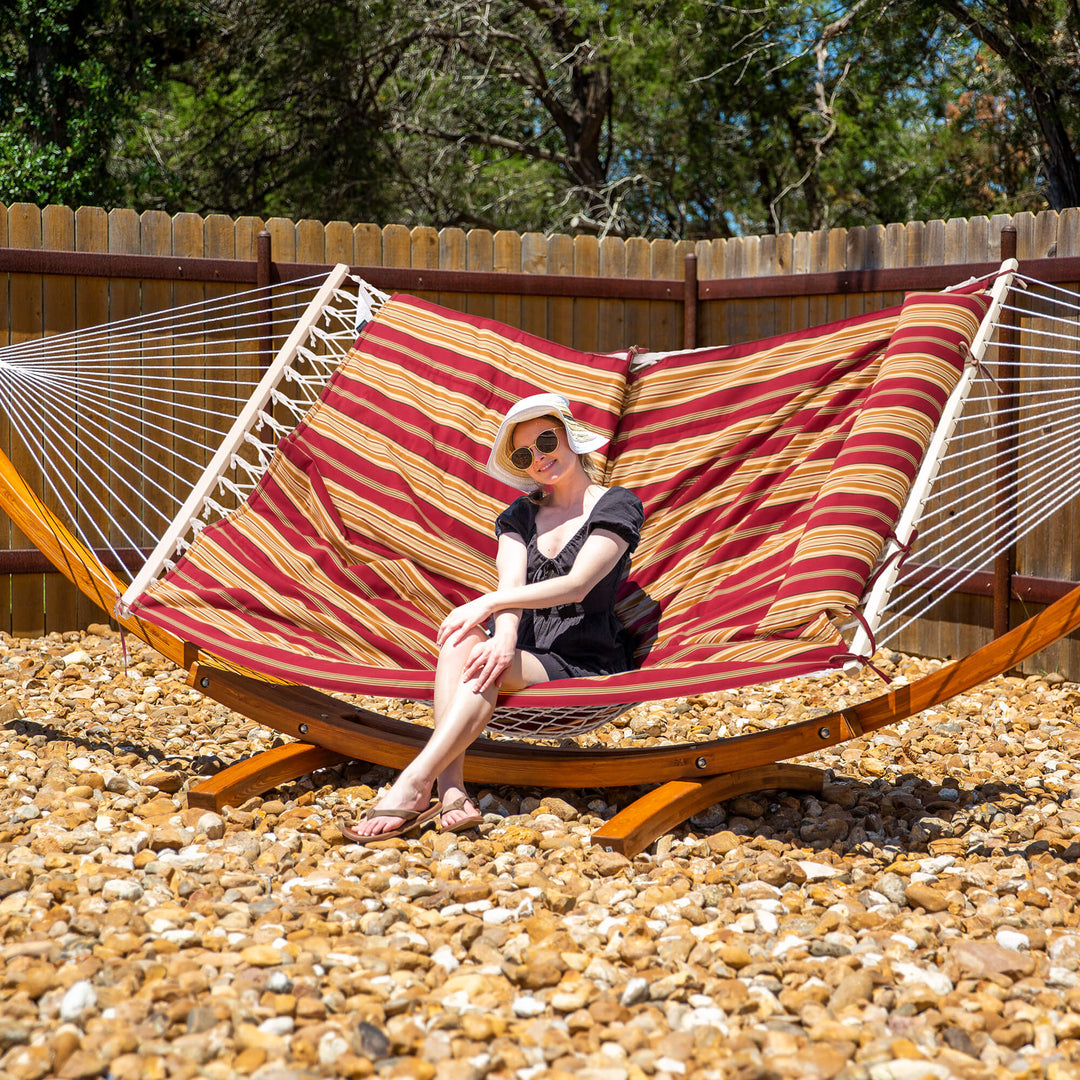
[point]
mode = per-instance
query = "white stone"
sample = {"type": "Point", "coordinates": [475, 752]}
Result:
{"type": "Point", "coordinates": [331, 1046]}
{"type": "Point", "coordinates": [341, 959]}
{"type": "Point", "coordinates": [909, 1069]}
{"type": "Point", "coordinates": [181, 937]}
{"type": "Point", "coordinates": [121, 889]}
{"type": "Point", "coordinates": [527, 1005]}
{"type": "Point", "coordinates": [766, 922]}
{"type": "Point", "coordinates": [635, 992]}
{"type": "Point", "coordinates": [816, 871]}
{"type": "Point", "coordinates": [708, 1016]}
{"type": "Point", "coordinates": [670, 1065]}
{"type": "Point", "coordinates": [79, 656]}
{"type": "Point", "coordinates": [192, 857]}
{"type": "Point", "coordinates": [210, 825]}
{"type": "Point", "coordinates": [80, 998]}
{"type": "Point", "coordinates": [445, 958]}
{"type": "Point", "coordinates": [278, 1025]}
{"type": "Point", "coordinates": [937, 980]}
{"type": "Point", "coordinates": [937, 864]}
{"type": "Point", "coordinates": [1013, 939]}
{"type": "Point", "coordinates": [787, 943]}
{"type": "Point", "coordinates": [1064, 948]}
{"type": "Point", "coordinates": [129, 843]}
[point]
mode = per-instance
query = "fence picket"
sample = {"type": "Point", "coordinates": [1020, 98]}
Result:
{"type": "Point", "coordinates": [663, 329]}
{"type": "Point", "coordinates": [339, 244]}
{"type": "Point", "coordinates": [638, 265]}
{"type": "Point", "coordinates": [560, 260]}
{"type": "Point", "coordinates": [480, 255]}
{"type": "Point", "coordinates": [586, 309]}
{"type": "Point", "coordinates": [424, 254]}
{"type": "Point", "coordinates": [506, 259]}
{"type": "Point", "coordinates": [124, 303]}
{"type": "Point", "coordinates": [24, 225]}
{"type": "Point", "coordinates": [534, 309]}
{"type": "Point", "coordinates": [155, 238]}
{"type": "Point", "coordinates": [452, 254]}
{"type": "Point", "coordinates": [611, 331]}
{"type": "Point", "coordinates": [58, 316]}
{"type": "Point", "coordinates": [367, 245]}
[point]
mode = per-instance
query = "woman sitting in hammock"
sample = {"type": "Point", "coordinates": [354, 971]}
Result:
{"type": "Point", "coordinates": [564, 550]}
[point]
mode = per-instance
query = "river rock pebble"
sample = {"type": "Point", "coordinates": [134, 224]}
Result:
{"type": "Point", "coordinates": [917, 918]}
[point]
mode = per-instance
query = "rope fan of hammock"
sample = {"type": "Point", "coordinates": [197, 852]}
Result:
{"type": "Point", "coordinates": [140, 452]}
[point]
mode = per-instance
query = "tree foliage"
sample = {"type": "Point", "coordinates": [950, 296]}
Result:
{"type": "Point", "coordinates": [654, 117]}
{"type": "Point", "coordinates": [72, 78]}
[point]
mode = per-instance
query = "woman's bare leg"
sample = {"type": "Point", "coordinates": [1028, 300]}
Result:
{"type": "Point", "coordinates": [461, 714]}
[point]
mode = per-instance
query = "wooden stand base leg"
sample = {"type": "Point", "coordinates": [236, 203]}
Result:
{"type": "Point", "coordinates": [237, 783]}
{"type": "Point", "coordinates": [635, 828]}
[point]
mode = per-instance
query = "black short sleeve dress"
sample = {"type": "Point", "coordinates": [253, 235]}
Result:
{"type": "Point", "coordinates": [573, 640]}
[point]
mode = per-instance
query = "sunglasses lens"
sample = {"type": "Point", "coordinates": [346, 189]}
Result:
{"type": "Point", "coordinates": [547, 441]}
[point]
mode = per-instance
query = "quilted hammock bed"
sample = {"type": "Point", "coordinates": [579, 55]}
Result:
{"type": "Point", "coordinates": [771, 474]}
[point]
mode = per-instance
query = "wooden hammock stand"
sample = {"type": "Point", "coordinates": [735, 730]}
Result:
{"type": "Point", "coordinates": [692, 776]}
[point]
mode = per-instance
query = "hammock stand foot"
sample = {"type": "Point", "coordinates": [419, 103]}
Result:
{"type": "Point", "coordinates": [252, 776]}
{"type": "Point", "coordinates": [634, 828]}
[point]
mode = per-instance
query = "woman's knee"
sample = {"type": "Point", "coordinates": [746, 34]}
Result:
{"type": "Point", "coordinates": [455, 657]}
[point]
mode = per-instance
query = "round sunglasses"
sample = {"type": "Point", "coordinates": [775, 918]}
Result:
{"type": "Point", "coordinates": [547, 442]}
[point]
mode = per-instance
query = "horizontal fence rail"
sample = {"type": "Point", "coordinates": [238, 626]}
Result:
{"type": "Point", "coordinates": [769, 286]}
{"type": "Point", "coordinates": [63, 269]}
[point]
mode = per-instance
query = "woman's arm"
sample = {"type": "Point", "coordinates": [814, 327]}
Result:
{"type": "Point", "coordinates": [490, 659]}
{"type": "Point", "coordinates": [510, 562]}
{"type": "Point", "coordinates": [599, 555]}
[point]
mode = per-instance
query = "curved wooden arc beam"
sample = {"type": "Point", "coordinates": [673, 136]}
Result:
{"type": "Point", "coordinates": [635, 828]}
{"type": "Point", "coordinates": [263, 772]}
{"type": "Point", "coordinates": [331, 731]}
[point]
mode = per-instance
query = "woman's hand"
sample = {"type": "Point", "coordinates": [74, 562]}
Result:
{"type": "Point", "coordinates": [462, 619]}
{"type": "Point", "coordinates": [487, 663]}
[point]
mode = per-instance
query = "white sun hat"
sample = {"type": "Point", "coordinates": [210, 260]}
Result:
{"type": "Point", "coordinates": [582, 439]}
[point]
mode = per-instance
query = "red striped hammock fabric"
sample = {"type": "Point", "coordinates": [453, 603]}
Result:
{"type": "Point", "coordinates": [771, 475]}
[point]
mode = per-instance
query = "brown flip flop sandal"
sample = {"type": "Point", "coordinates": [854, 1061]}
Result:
{"type": "Point", "coordinates": [410, 820]}
{"type": "Point", "coordinates": [469, 822]}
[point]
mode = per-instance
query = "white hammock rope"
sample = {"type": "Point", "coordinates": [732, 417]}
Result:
{"type": "Point", "coordinates": [121, 422]}
{"type": "Point", "coordinates": [172, 322]}
{"type": "Point", "coordinates": [1010, 466]}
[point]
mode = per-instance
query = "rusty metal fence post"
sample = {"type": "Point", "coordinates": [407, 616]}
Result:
{"type": "Point", "coordinates": [263, 274]}
{"type": "Point", "coordinates": [690, 303]}
{"type": "Point", "coordinates": [1007, 428]}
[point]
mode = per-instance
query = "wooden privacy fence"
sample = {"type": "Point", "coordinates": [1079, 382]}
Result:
{"type": "Point", "coordinates": [64, 269]}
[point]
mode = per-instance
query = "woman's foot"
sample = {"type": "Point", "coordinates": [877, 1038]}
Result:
{"type": "Point", "coordinates": [401, 810]}
{"type": "Point", "coordinates": [458, 812]}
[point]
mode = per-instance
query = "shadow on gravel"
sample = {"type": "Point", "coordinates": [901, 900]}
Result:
{"type": "Point", "coordinates": [42, 734]}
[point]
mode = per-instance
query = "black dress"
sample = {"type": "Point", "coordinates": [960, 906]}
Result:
{"type": "Point", "coordinates": [587, 638]}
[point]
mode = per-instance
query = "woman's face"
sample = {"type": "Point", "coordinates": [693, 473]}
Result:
{"type": "Point", "coordinates": [546, 469]}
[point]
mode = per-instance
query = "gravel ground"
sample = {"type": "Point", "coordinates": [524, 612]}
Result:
{"type": "Point", "coordinates": [917, 920]}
